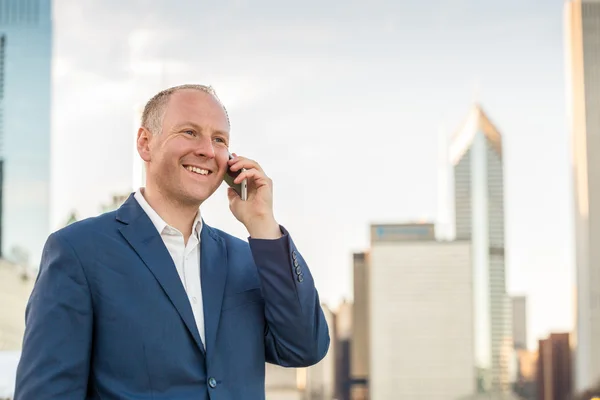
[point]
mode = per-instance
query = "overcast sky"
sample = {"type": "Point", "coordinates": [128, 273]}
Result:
{"type": "Point", "coordinates": [342, 103]}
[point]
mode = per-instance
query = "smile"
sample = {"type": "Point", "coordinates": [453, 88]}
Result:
{"type": "Point", "coordinates": [197, 170]}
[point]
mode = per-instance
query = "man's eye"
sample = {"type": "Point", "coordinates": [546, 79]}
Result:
{"type": "Point", "coordinates": [220, 140]}
{"type": "Point", "coordinates": [189, 133]}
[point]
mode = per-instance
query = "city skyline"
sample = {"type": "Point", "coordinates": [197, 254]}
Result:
{"type": "Point", "coordinates": [349, 86]}
{"type": "Point", "coordinates": [351, 109]}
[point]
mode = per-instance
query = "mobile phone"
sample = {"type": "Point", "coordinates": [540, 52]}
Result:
{"type": "Point", "coordinates": [240, 188]}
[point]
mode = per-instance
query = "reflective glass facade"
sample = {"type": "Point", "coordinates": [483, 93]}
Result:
{"type": "Point", "coordinates": [25, 98]}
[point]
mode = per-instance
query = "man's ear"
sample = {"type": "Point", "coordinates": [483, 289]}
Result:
{"type": "Point", "coordinates": [144, 137]}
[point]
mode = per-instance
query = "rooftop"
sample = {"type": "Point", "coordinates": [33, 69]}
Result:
{"type": "Point", "coordinates": [477, 121]}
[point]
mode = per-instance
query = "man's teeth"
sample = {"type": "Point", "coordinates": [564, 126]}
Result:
{"type": "Point", "coordinates": [197, 170]}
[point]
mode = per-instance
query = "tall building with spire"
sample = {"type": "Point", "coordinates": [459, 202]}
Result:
{"type": "Point", "coordinates": [25, 102]}
{"type": "Point", "coordinates": [476, 157]}
{"type": "Point", "coordinates": [582, 19]}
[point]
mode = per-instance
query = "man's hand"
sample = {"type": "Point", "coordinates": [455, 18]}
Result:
{"type": "Point", "coordinates": [256, 213]}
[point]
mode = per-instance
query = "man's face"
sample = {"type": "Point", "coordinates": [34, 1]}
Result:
{"type": "Point", "coordinates": [188, 159]}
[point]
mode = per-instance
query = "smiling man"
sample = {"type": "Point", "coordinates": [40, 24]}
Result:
{"type": "Point", "coordinates": [149, 302]}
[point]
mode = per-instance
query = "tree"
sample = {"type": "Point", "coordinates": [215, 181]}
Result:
{"type": "Point", "coordinates": [72, 218]}
{"type": "Point", "coordinates": [589, 394]}
{"type": "Point", "coordinates": [116, 201]}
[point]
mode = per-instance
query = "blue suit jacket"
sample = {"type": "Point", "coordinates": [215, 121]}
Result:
{"type": "Point", "coordinates": [109, 318]}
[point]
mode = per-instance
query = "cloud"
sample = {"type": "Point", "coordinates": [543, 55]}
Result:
{"type": "Point", "coordinates": [111, 56]}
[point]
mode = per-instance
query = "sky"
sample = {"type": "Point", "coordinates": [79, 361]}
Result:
{"type": "Point", "coordinates": [343, 104]}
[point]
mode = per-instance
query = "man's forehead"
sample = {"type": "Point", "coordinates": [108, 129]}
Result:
{"type": "Point", "coordinates": [194, 102]}
{"type": "Point", "coordinates": [193, 96]}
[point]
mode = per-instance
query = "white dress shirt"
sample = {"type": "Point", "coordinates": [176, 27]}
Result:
{"type": "Point", "coordinates": [185, 257]}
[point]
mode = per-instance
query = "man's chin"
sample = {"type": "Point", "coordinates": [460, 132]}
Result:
{"type": "Point", "coordinates": [199, 196]}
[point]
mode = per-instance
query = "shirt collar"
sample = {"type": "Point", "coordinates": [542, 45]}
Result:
{"type": "Point", "coordinates": [158, 222]}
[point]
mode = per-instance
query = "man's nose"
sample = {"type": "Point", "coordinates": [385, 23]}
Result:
{"type": "Point", "coordinates": [204, 147]}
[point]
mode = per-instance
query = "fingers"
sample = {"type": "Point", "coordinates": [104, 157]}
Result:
{"type": "Point", "coordinates": [237, 163]}
{"type": "Point", "coordinates": [258, 178]}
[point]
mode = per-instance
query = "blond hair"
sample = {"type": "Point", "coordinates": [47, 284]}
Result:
{"type": "Point", "coordinates": [154, 111]}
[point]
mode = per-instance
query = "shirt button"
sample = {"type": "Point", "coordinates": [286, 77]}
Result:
{"type": "Point", "coordinates": [212, 382]}
{"type": "Point", "coordinates": [194, 300]}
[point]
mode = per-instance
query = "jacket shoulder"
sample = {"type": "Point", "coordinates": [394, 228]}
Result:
{"type": "Point", "coordinates": [87, 226]}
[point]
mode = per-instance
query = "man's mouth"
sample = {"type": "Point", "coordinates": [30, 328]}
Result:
{"type": "Point", "coordinates": [197, 170]}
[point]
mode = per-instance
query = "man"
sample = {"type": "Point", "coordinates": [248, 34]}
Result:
{"type": "Point", "coordinates": [149, 302]}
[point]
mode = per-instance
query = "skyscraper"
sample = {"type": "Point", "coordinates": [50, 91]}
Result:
{"type": "Point", "coordinates": [25, 84]}
{"type": "Point", "coordinates": [554, 377]}
{"type": "Point", "coordinates": [359, 346]}
{"type": "Point", "coordinates": [583, 92]}
{"type": "Point", "coordinates": [476, 156]}
{"type": "Point", "coordinates": [419, 315]}
{"type": "Point", "coordinates": [519, 324]}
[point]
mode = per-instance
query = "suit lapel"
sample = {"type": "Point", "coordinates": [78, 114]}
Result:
{"type": "Point", "coordinates": [213, 276]}
{"type": "Point", "coordinates": [146, 241]}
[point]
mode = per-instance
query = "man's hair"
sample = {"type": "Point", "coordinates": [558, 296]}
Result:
{"type": "Point", "coordinates": [154, 111]}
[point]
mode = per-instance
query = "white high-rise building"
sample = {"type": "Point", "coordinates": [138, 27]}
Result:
{"type": "Point", "coordinates": [419, 315]}
{"type": "Point", "coordinates": [320, 378]}
{"type": "Point", "coordinates": [583, 92]}
{"type": "Point", "coordinates": [476, 156]}
{"type": "Point", "coordinates": [519, 317]}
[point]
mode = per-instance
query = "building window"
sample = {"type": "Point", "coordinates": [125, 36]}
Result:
{"type": "Point", "coordinates": [18, 12]}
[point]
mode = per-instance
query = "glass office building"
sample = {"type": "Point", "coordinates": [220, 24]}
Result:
{"type": "Point", "coordinates": [476, 156]}
{"type": "Point", "coordinates": [25, 98]}
{"type": "Point", "coordinates": [583, 78]}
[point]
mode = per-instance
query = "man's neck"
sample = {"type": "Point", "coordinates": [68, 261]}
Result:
{"type": "Point", "coordinates": [175, 214]}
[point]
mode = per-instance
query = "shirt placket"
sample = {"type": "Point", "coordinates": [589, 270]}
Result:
{"type": "Point", "coordinates": [192, 272]}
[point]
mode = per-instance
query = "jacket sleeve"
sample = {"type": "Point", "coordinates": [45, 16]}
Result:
{"type": "Point", "coordinates": [55, 357]}
{"type": "Point", "coordinates": [297, 334]}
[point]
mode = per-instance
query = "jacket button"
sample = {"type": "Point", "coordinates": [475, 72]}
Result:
{"type": "Point", "coordinates": [212, 382]}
